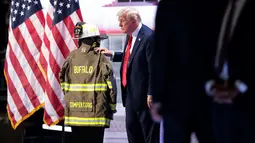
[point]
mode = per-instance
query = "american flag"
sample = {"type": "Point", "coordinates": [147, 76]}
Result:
{"type": "Point", "coordinates": [25, 82]}
{"type": "Point", "coordinates": [62, 15]}
{"type": "Point", "coordinates": [37, 48]}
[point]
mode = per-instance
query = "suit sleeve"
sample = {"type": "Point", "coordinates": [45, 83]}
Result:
{"type": "Point", "coordinates": [117, 57]}
{"type": "Point", "coordinates": [149, 60]}
{"type": "Point", "coordinates": [62, 75]}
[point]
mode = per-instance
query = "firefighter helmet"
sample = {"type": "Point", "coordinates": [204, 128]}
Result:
{"type": "Point", "coordinates": [86, 30]}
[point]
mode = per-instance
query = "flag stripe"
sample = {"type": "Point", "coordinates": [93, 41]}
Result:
{"type": "Point", "coordinates": [54, 67]}
{"type": "Point", "coordinates": [24, 81]}
{"type": "Point", "coordinates": [11, 116]}
{"type": "Point", "coordinates": [75, 17]}
{"type": "Point", "coordinates": [34, 80]}
{"type": "Point", "coordinates": [43, 61]}
{"type": "Point", "coordinates": [22, 61]}
{"type": "Point", "coordinates": [39, 28]}
{"type": "Point", "coordinates": [60, 42]}
{"type": "Point", "coordinates": [52, 118]}
{"type": "Point", "coordinates": [13, 109]}
{"type": "Point", "coordinates": [24, 33]}
{"type": "Point", "coordinates": [23, 46]}
{"type": "Point", "coordinates": [69, 26]}
{"type": "Point", "coordinates": [50, 115]}
{"type": "Point", "coordinates": [56, 54]}
{"type": "Point", "coordinates": [46, 41]}
{"type": "Point", "coordinates": [54, 106]}
{"type": "Point", "coordinates": [49, 21]}
{"type": "Point", "coordinates": [54, 100]}
{"type": "Point", "coordinates": [53, 73]}
{"type": "Point", "coordinates": [45, 54]}
{"type": "Point", "coordinates": [34, 35]}
{"type": "Point", "coordinates": [23, 78]}
{"type": "Point", "coordinates": [45, 46]}
{"type": "Point", "coordinates": [78, 12]}
{"type": "Point", "coordinates": [47, 118]}
{"type": "Point", "coordinates": [40, 16]}
{"type": "Point", "coordinates": [14, 93]}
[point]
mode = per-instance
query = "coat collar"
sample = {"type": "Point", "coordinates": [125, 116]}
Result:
{"type": "Point", "coordinates": [139, 39]}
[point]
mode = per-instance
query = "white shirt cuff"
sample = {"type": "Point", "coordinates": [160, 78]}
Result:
{"type": "Point", "coordinates": [113, 53]}
{"type": "Point", "coordinates": [208, 87]}
{"type": "Point", "coordinates": [242, 87]}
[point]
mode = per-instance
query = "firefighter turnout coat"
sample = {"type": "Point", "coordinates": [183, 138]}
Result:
{"type": "Point", "coordinates": [89, 88]}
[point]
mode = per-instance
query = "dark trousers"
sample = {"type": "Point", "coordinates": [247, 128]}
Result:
{"type": "Point", "coordinates": [232, 124]}
{"type": "Point", "coordinates": [177, 129]}
{"type": "Point", "coordinates": [139, 125]}
{"type": "Point", "coordinates": [86, 135]}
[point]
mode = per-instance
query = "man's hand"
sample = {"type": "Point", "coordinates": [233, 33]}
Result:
{"type": "Point", "coordinates": [155, 112]}
{"type": "Point", "coordinates": [223, 93]}
{"type": "Point", "coordinates": [104, 51]}
{"type": "Point", "coordinates": [149, 101]}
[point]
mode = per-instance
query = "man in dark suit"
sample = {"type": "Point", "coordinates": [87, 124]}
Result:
{"type": "Point", "coordinates": [135, 82]}
{"type": "Point", "coordinates": [181, 64]}
{"type": "Point", "coordinates": [232, 88]}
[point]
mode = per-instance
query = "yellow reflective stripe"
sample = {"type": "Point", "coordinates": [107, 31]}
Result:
{"type": "Point", "coordinates": [97, 84]}
{"type": "Point", "coordinates": [84, 87]}
{"type": "Point", "coordinates": [88, 124]}
{"type": "Point", "coordinates": [94, 89]}
{"type": "Point", "coordinates": [87, 121]}
{"type": "Point", "coordinates": [113, 106]}
{"type": "Point", "coordinates": [109, 83]}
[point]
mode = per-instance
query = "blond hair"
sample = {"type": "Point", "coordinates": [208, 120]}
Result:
{"type": "Point", "coordinates": [130, 14]}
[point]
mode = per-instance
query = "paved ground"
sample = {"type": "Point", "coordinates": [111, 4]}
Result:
{"type": "Point", "coordinates": [117, 132]}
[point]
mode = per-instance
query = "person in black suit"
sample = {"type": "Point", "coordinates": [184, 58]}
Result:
{"type": "Point", "coordinates": [232, 88]}
{"type": "Point", "coordinates": [135, 82]}
{"type": "Point", "coordinates": [182, 60]}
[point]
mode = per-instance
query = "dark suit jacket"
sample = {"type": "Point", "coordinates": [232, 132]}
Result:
{"type": "Point", "coordinates": [241, 59]}
{"type": "Point", "coordinates": [138, 86]}
{"type": "Point", "coordinates": [183, 54]}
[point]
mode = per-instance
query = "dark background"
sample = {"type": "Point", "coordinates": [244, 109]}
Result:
{"type": "Point", "coordinates": [3, 43]}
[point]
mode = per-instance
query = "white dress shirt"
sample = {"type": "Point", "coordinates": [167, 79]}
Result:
{"type": "Point", "coordinates": [134, 35]}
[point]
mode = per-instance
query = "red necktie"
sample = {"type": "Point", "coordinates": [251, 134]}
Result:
{"type": "Point", "coordinates": [125, 62]}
